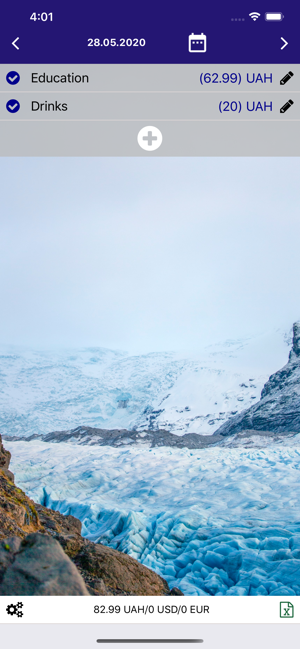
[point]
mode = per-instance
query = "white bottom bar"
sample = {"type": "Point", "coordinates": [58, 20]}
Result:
{"type": "Point", "coordinates": [154, 610]}
{"type": "Point", "coordinates": [84, 636]}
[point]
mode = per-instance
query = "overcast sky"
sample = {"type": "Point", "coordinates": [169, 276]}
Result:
{"type": "Point", "coordinates": [147, 254]}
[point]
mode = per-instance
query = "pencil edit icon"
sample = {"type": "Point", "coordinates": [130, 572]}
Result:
{"type": "Point", "coordinates": [286, 78]}
{"type": "Point", "coordinates": [286, 106]}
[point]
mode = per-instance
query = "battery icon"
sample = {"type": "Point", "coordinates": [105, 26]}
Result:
{"type": "Point", "coordinates": [274, 17]}
{"type": "Point", "coordinates": [286, 106]}
{"type": "Point", "coordinates": [286, 78]}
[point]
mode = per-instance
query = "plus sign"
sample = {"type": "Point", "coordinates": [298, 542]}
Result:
{"type": "Point", "coordinates": [150, 138]}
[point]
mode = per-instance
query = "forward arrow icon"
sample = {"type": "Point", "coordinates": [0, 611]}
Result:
{"type": "Point", "coordinates": [285, 43]}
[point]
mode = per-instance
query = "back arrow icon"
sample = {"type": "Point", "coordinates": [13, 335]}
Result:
{"type": "Point", "coordinates": [285, 43]}
{"type": "Point", "coordinates": [14, 43]}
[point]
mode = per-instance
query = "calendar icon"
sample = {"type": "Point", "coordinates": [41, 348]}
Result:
{"type": "Point", "coordinates": [197, 43]}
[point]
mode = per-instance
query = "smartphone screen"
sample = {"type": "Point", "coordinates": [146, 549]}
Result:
{"type": "Point", "coordinates": [150, 324]}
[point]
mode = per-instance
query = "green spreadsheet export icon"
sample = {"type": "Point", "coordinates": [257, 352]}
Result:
{"type": "Point", "coordinates": [286, 609]}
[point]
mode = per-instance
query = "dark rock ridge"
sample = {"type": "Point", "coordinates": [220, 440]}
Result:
{"type": "Point", "coordinates": [42, 552]}
{"type": "Point", "coordinates": [278, 410]}
{"type": "Point", "coordinates": [87, 435]}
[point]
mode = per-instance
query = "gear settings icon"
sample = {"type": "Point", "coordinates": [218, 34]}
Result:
{"type": "Point", "coordinates": [15, 609]}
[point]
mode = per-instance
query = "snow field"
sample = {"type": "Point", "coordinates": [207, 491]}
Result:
{"type": "Point", "coordinates": [44, 391]}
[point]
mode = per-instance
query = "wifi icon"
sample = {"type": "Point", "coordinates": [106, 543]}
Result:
{"type": "Point", "coordinates": [254, 15]}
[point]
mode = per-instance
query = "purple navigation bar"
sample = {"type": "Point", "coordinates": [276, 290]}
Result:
{"type": "Point", "coordinates": [156, 31]}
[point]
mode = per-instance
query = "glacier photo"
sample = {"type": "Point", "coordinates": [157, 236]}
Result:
{"type": "Point", "coordinates": [218, 519]}
{"type": "Point", "coordinates": [150, 359]}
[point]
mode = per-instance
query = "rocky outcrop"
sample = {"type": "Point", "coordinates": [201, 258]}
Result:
{"type": "Point", "coordinates": [42, 551]}
{"type": "Point", "coordinates": [37, 565]}
{"type": "Point", "coordinates": [278, 410]}
{"type": "Point", "coordinates": [18, 514]}
{"type": "Point", "coordinates": [4, 456]}
{"type": "Point", "coordinates": [295, 351]}
{"type": "Point", "coordinates": [4, 461]}
{"type": "Point", "coordinates": [115, 573]}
